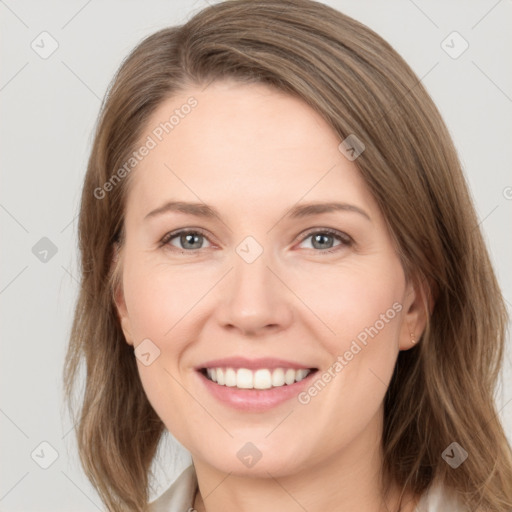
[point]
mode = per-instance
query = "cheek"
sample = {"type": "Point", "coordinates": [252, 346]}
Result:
{"type": "Point", "coordinates": [360, 302]}
{"type": "Point", "coordinates": [159, 297]}
{"type": "Point", "coordinates": [363, 308]}
{"type": "Point", "coordinates": [362, 305]}
{"type": "Point", "coordinates": [160, 302]}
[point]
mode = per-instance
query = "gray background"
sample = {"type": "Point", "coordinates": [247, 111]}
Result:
{"type": "Point", "coordinates": [48, 111]}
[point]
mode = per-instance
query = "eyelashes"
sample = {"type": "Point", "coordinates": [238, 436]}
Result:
{"type": "Point", "coordinates": [182, 234]}
{"type": "Point", "coordinates": [196, 235]}
{"type": "Point", "coordinates": [345, 240]}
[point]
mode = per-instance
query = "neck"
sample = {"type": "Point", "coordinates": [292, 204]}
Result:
{"type": "Point", "coordinates": [348, 479]}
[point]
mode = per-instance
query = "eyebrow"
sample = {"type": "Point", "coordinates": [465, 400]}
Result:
{"type": "Point", "coordinates": [298, 211]}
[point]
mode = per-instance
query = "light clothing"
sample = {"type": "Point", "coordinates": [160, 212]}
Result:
{"type": "Point", "coordinates": [180, 497]}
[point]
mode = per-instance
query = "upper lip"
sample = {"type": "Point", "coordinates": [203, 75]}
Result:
{"type": "Point", "coordinates": [252, 364]}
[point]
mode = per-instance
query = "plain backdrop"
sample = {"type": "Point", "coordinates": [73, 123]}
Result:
{"type": "Point", "coordinates": [49, 105]}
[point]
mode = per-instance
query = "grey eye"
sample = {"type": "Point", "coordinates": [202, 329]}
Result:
{"type": "Point", "coordinates": [187, 240]}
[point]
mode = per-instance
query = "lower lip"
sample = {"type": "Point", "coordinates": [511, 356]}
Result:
{"type": "Point", "coordinates": [256, 400]}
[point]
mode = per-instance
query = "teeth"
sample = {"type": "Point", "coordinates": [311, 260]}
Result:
{"type": "Point", "coordinates": [289, 376]}
{"type": "Point", "coordinates": [244, 379]}
{"type": "Point", "coordinates": [230, 377]}
{"type": "Point", "coordinates": [278, 377]}
{"type": "Point", "coordinates": [259, 379]}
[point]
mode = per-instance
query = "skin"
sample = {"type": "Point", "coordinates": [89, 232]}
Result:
{"type": "Point", "coordinates": [253, 153]}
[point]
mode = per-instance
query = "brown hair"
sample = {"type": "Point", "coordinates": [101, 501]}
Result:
{"type": "Point", "coordinates": [442, 390]}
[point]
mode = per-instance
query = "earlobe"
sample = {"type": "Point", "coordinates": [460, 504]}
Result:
{"type": "Point", "coordinates": [417, 312]}
{"type": "Point", "coordinates": [122, 314]}
{"type": "Point", "coordinates": [125, 325]}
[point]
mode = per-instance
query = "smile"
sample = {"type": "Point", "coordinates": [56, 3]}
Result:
{"type": "Point", "coordinates": [254, 384]}
{"type": "Point", "coordinates": [263, 378]}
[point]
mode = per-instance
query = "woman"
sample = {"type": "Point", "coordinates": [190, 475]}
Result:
{"type": "Point", "coordinates": [332, 336]}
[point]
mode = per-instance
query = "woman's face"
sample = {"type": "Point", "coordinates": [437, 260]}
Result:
{"type": "Point", "coordinates": [259, 289]}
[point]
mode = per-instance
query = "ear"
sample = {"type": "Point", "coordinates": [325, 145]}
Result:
{"type": "Point", "coordinates": [118, 293]}
{"type": "Point", "coordinates": [418, 305]}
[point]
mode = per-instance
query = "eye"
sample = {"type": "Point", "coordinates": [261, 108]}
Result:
{"type": "Point", "coordinates": [188, 240]}
{"type": "Point", "coordinates": [191, 240]}
{"type": "Point", "coordinates": [323, 240]}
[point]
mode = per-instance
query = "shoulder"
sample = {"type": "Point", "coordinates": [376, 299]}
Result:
{"type": "Point", "coordinates": [438, 498]}
{"type": "Point", "coordinates": [179, 496]}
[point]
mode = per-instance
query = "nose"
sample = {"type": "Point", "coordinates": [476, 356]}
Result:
{"type": "Point", "coordinates": [255, 299]}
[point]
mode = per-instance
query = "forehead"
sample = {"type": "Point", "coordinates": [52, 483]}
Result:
{"type": "Point", "coordinates": [242, 145]}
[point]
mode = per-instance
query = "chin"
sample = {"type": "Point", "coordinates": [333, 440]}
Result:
{"type": "Point", "coordinates": [253, 460]}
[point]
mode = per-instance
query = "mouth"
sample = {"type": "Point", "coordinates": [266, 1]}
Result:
{"type": "Point", "coordinates": [254, 384]}
{"type": "Point", "coordinates": [256, 379]}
